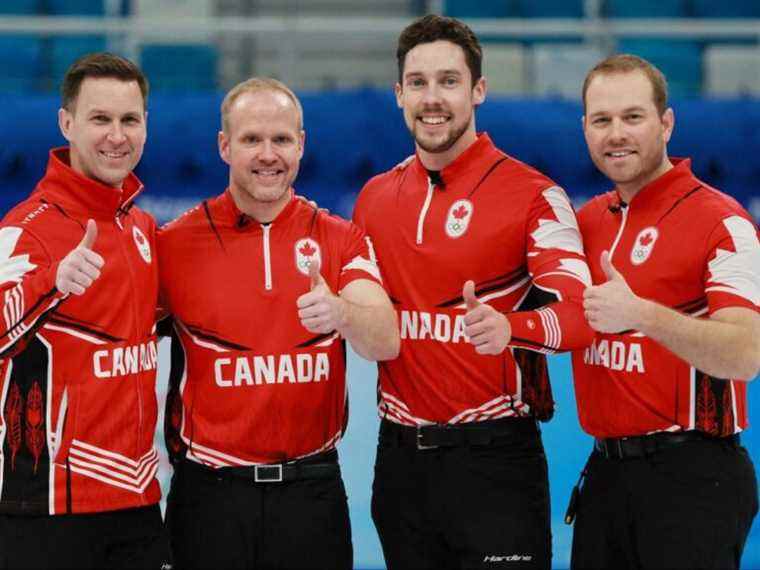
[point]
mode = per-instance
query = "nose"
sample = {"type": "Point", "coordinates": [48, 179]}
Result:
{"type": "Point", "coordinates": [617, 131]}
{"type": "Point", "coordinates": [431, 95]}
{"type": "Point", "coordinates": [266, 152]}
{"type": "Point", "coordinates": [116, 134]}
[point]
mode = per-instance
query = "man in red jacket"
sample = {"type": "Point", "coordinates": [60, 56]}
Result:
{"type": "Point", "coordinates": [79, 282]}
{"type": "Point", "coordinates": [264, 289]}
{"type": "Point", "coordinates": [676, 272]}
{"type": "Point", "coordinates": [483, 259]}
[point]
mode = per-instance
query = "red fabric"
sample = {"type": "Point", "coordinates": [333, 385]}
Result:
{"type": "Point", "coordinates": [689, 247]}
{"type": "Point", "coordinates": [257, 386]}
{"type": "Point", "coordinates": [518, 234]}
{"type": "Point", "coordinates": [80, 370]}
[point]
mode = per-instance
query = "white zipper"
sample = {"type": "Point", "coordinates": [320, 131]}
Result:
{"type": "Point", "coordinates": [620, 231]}
{"type": "Point", "coordinates": [423, 213]}
{"type": "Point", "coordinates": [267, 258]}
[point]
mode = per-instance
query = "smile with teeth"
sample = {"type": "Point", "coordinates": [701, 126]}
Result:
{"type": "Point", "coordinates": [113, 154]}
{"type": "Point", "coordinates": [267, 172]}
{"type": "Point", "coordinates": [619, 153]}
{"type": "Point", "coordinates": [436, 120]}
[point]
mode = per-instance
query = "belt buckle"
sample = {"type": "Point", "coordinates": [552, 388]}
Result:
{"type": "Point", "coordinates": [420, 445]}
{"type": "Point", "coordinates": [267, 473]}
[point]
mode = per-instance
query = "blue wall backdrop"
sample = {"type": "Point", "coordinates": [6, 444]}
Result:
{"type": "Point", "coordinates": [353, 135]}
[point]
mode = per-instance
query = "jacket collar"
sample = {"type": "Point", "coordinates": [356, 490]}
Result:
{"type": "Point", "coordinates": [74, 191]}
{"type": "Point", "coordinates": [477, 157]}
{"type": "Point", "coordinates": [666, 190]}
{"type": "Point", "coordinates": [233, 216]}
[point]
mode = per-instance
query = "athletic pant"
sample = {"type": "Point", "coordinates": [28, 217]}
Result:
{"type": "Point", "coordinates": [227, 520]}
{"type": "Point", "coordinates": [465, 505]}
{"type": "Point", "coordinates": [687, 506]}
{"type": "Point", "coordinates": [125, 539]}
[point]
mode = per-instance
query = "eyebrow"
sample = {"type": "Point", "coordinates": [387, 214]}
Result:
{"type": "Point", "coordinates": [98, 111]}
{"type": "Point", "coordinates": [624, 111]}
{"type": "Point", "coordinates": [438, 72]}
{"type": "Point", "coordinates": [253, 133]}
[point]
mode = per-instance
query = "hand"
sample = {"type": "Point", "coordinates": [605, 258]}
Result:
{"type": "Point", "coordinates": [611, 307]}
{"type": "Point", "coordinates": [486, 328]}
{"type": "Point", "coordinates": [320, 310]}
{"type": "Point", "coordinates": [81, 267]}
{"type": "Point", "coordinates": [312, 203]}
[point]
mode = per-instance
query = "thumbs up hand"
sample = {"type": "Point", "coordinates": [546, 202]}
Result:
{"type": "Point", "coordinates": [610, 272]}
{"type": "Point", "coordinates": [487, 329]}
{"type": "Point", "coordinates": [81, 267]}
{"type": "Point", "coordinates": [611, 307]}
{"type": "Point", "coordinates": [315, 277]}
{"type": "Point", "coordinates": [320, 310]}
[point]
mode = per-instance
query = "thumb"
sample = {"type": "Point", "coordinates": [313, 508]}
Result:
{"type": "Point", "coordinates": [468, 294]}
{"type": "Point", "coordinates": [609, 270]}
{"type": "Point", "coordinates": [90, 235]}
{"type": "Point", "coordinates": [316, 278]}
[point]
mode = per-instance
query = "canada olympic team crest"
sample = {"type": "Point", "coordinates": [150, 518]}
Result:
{"type": "Point", "coordinates": [307, 250]}
{"type": "Point", "coordinates": [458, 218]}
{"type": "Point", "coordinates": [642, 247]}
{"type": "Point", "coordinates": [143, 246]}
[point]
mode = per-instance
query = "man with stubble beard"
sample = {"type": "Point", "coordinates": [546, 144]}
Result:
{"type": "Point", "coordinates": [482, 257]}
{"type": "Point", "coordinates": [663, 388]}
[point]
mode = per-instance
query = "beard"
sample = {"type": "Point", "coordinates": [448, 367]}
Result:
{"type": "Point", "coordinates": [439, 146]}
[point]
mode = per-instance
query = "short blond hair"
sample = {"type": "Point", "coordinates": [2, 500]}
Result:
{"type": "Point", "coordinates": [254, 85]}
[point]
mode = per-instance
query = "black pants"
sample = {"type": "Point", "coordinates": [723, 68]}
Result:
{"type": "Point", "coordinates": [218, 521]}
{"type": "Point", "coordinates": [465, 506]}
{"type": "Point", "coordinates": [131, 538]}
{"type": "Point", "coordinates": [688, 506]}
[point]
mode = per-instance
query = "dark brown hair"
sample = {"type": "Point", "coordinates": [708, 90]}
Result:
{"type": "Point", "coordinates": [101, 64]}
{"type": "Point", "coordinates": [627, 63]}
{"type": "Point", "coordinates": [432, 28]}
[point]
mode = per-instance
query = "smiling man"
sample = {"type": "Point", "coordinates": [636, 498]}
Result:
{"type": "Point", "coordinates": [676, 272]}
{"type": "Point", "coordinates": [79, 281]}
{"type": "Point", "coordinates": [469, 240]}
{"type": "Point", "coordinates": [264, 288]}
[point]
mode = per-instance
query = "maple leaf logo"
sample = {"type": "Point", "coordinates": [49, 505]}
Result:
{"type": "Point", "coordinates": [307, 250]}
{"type": "Point", "coordinates": [646, 239]}
{"type": "Point", "coordinates": [140, 239]}
{"type": "Point", "coordinates": [460, 212]}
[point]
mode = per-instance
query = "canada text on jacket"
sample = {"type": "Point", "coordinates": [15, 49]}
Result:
{"type": "Point", "coordinates": [443, 327]}
{"type": "Point", "coordinates": [271, 369]}
{"type": "Point", "coordinates": [616, 355]}
{"type": "Point", "coordinates": [123, 360]}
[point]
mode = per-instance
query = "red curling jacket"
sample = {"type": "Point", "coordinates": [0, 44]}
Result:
{"type": "Point", "coordinates": [77, 373]}
{"type": "Point", "coordinates": [510, 229]}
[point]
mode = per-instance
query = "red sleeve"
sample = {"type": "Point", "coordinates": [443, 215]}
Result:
{"type": "Point", "coordinates": [359, 214]}
{"type": "Point", "coordinates": [358, 259]}
{"type": "Point", "coordinates": [732, 275]}
{"type": "Point", "coordinates": [557, 267]}
{"type": "Point", "coordinates": [27, 286]}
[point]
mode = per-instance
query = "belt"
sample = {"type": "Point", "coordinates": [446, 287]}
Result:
{"type": "Point", "coordinates": [322, 466]}
{"type": "Point", "coordinates": [456, 435]}
{"type": "Point", "coordinates": [645, 445]}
